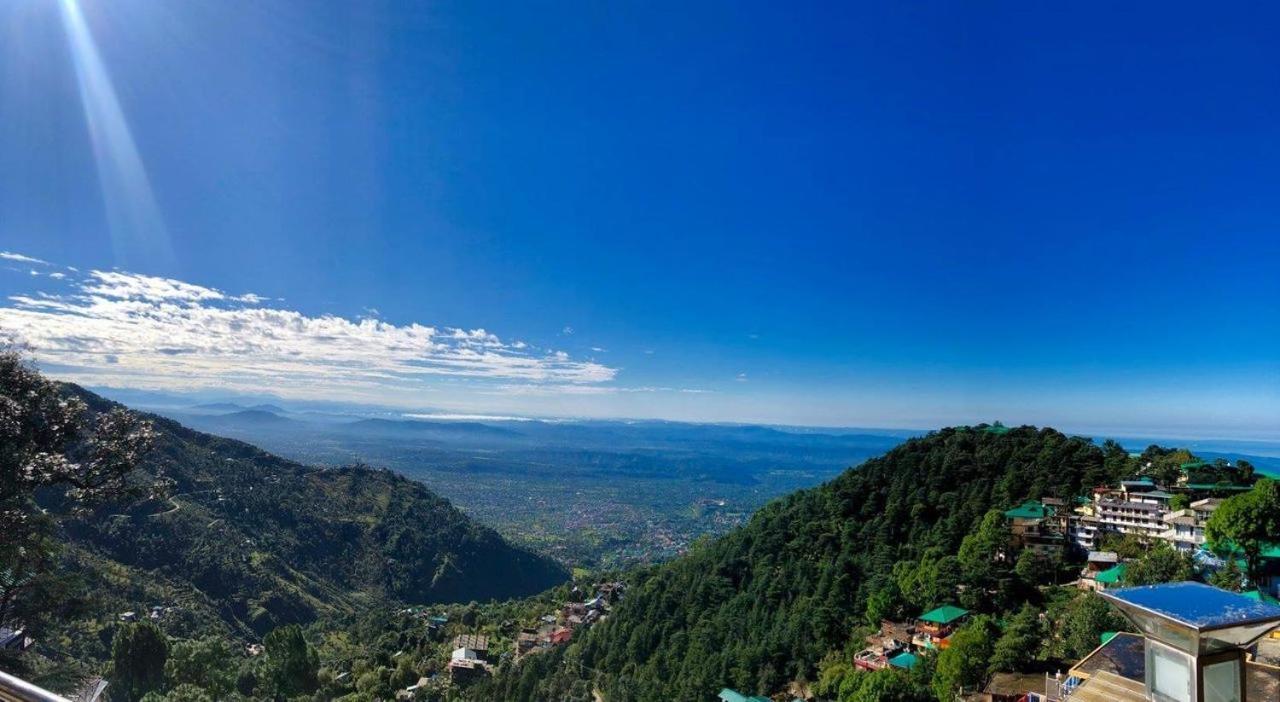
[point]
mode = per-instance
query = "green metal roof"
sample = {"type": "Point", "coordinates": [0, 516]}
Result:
{"type": "Point", "coordinates": [728, 695]}
{"type": "Point", "coordinates": [1029, 510]}
{"type": "Point", "coordinates": [996, 428]}
{"type": "Point", "coordinates": [1112, 575]}
{"type": "Point", "coordinates": [1260, 596]}
{"type": "Point", "coordinates": [904, 660]}
{"type": "Point", "coordinates": [1106, 637]}
{"type": "Point", "coordinates": [944, 614]}
{"type": "Point", "coordinates": [1193, 464]}
{"type": "Point", "coordinates": [1217, 486]}
{"type": "Point", "coordinates": [1227, 547]}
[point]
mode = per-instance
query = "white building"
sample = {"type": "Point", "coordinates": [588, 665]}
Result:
{"type": "Point", "coordinates": [1186, 526]}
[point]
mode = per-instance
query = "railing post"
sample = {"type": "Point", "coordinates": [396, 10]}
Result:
{"type": "Point", "coordinates": [14, 689]}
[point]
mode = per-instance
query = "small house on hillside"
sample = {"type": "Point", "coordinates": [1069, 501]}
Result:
{"type": "Point", "coordinates": [15, 639]}
{"type": "Point", "coordinates": [892, 639]}
{"type": "Point", "coordinates": [463, 670]}
{"type": "Point", "coordinates": [934, 626]}
{"type": "Point", "coordinates": [473, 642]}
{"type": "Point", "coordinates": [904, 660]}
{"type": "Point", "coordinates": [527, 641]}
{"type": "Point", "coordinates": [1110, 578]}
{"type": "Point", "coordinates": [1035, 525]}
{"type": "Point", "coordinates": [1098, 563]}
{"type": "Point", "coordinates": [560, 636]}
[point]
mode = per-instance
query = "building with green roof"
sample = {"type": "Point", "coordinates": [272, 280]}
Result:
{"type": "Point", "coordinates": [1260, 596]}
{"type": "Point", "coordinates": [1213, 487]}
{"type": "Point", "coordinates": [906, 661]}
{"type": "Point", "coordinates": [728, 695]}
{"type": "Point", "coordinates": [1031, 509]}
{"type": "Point", "coordinates": [944, 615]}
{"type": "Point", "coordinates": [1111, 576]}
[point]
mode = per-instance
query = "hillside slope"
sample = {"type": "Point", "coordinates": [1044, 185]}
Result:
{"type": "Point", "coordinates": [261, 541]}
{"type": "Point", "coordinates": [762, 605]}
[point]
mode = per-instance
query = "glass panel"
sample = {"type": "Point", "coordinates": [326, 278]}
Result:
{"type": "Point", "coordinates": [1222, 682]}
{"type": "Point", "coordinates": [1234, 637]}
{"type": "Point", "coordinates": [1169, 673]}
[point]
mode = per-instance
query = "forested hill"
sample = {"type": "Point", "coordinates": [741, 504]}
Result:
{"type": "Point", "coordinates": [762, 605]}
{"type": "Point", "coordinates": [262, 541]}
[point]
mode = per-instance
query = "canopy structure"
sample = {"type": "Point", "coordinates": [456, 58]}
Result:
{"type": "Point", "coordinates": [904, 660]}
{"type": "Point", "coordinates": [1112, 575]}
{"type": "Point", "coordinates": [1030, 509]}
{"type": "Point", "coordinates": [1261, 596]}
{"type": "Point", "coordinates": [1195, 618]}
{"type": "Point", "coordinates": [944, 615]}
{"type": "Point", "coordinates": [1194, 639]}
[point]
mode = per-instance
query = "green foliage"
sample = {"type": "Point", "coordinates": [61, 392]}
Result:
{"type": "Point", "coordinates": [1085, 619]}
{"type": "Point", "coordinates": [764, 604]}
{"type": "Point", "coordinates": [1035, 569]}
{"type": "Point", "coordinates": [929, 582]}
{"type": "Point", "coordinates": [291, 663]}
{"type": "Point", "coordinates": [1179, 501]}
{"type": "Point", "coordinates": [832, 671]}
{"type": "Point", "coordinates": [1127, 546]}
{"type": "Point", "coordinates": [51, 448]}
{"type": "Point", "coordinates": [1161, 563]}
{"type": "Point", "coordinates": [885, 602]}
{"type": "Point", "coordinates": [250, 542]}
{"type": "Point", "coordinates": [1166, 464]}
{"type": "Point", "coordinates": [979, 550]}
{"type": "Point", "coordinates": [207, 663]}
{"type": "Point", "coordinates": [964, 663]}
{"type": "Point", "coordinates": [1228, 577]}
{"type": "Point", "coordinates": [183, 693]}
{"type": "Point", "coordinates": [885, 685]}
{"type": "Point", "coordinates": [1020, 642]}
{"type": "Point", "coordinates": [1250, 520]}
{"type": "Point", "coordinates": [138, 658]}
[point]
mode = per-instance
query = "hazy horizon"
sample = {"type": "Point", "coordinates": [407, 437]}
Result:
{"type": "Point", "coordinates": [842, 216]}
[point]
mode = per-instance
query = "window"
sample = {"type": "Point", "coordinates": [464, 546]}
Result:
{"type": "Point", "coordinates": [1169, 673]}
{"type": "Point", "coordinates": [1222, 682]}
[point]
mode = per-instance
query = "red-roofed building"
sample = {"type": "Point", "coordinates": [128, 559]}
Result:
{"type": "Point", "coordinates": [561, 636]}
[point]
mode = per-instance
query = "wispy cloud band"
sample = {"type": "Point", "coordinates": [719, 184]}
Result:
{"type": "Point", "coordinates": [123, 329]}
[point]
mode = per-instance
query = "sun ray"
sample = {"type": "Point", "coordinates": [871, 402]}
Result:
{"type": "Point", "coordinates": [137, 229]}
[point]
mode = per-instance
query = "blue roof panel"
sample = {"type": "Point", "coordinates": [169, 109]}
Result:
{"type": "Point", "coordinates": [1198, 605]}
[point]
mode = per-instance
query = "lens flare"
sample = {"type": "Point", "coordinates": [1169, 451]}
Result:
{"type": "Point", "coordinates": [137, 229]}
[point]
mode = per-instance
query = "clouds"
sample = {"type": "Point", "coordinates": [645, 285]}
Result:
{"type": "Point", "coordinates": [10, 256]}
{"type": "Point", "coordinates": [122, 329]}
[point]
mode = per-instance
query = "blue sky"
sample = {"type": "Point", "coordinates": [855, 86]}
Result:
{"type": "Point", "coordinates": [884, 215]}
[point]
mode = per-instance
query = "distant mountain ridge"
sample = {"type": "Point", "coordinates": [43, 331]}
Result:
{"type": "Point", "coordinates": [228, 407]}
{"type": "Point", "coordinates": [257, 541]}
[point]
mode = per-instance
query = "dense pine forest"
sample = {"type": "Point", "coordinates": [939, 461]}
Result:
{"type": "Point", "coordinates": [764, 605]}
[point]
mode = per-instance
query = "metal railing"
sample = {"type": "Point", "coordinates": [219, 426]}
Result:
{"type": "Point", "coordinates": [18, 690]}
